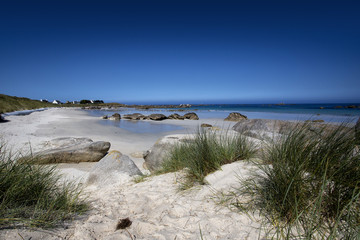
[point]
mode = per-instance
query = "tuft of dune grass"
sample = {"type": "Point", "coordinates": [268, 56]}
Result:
{"type": "Point", "coordinates": [34, 195]}
{"type": "Point", "coordinates": [206, 153]}
{"type": "Point", "coordinates": [311, 188]}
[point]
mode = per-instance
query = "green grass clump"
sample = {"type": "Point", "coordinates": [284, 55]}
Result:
{"type": "Point", "coordinates": [311, 188]}
{"type": "Point", "coordinates": [34, 195]}
{"type": "Point", "coordinates": [206, 153]}
{"type": "Point", "coordinates": [11, 104]}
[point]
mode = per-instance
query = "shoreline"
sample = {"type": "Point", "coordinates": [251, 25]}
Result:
{"type": "Point", "coordinates": [25, 133]}
{"type": "Point", "coordinates": [155, 206]}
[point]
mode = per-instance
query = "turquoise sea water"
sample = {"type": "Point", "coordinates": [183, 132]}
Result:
{"type": "Point", "coordinates": [326, 112]}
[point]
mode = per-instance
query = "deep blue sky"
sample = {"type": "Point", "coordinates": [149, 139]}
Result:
{"type": "Point", "coordinates": [181, 51]}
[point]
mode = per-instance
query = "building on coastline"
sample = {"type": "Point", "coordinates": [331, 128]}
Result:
{"type": "Point", "coordinates": [44, 100]}
{"type": "Point", "coordinates": [57, 102]}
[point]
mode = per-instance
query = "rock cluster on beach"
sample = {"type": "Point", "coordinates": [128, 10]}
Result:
{"type": "Point", "coordinates": [154, 117]}
{"type": "Point", "coordinates": [71, 150]}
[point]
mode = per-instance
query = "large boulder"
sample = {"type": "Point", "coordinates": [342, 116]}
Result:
{"type": "Point", "coordinates": [157, 117]}
{"type": "Point", "coordinates": [2, 119]}
{"type": "Point", "coordinates": [155, 157]}
{"type": "Point", "coordinates": [176, 117]}
{"type": "Point", "coordinates": [112, 168]}
{"type": "Point", "coordinates": [115, 116]}
{"type": "Point", "coordinates": [263, 129]}
{"type": "Point", "coordinates": [134, 116]}
{"type": "Point", "coordinates": [357, 131]}
{"type": "Point", "coordinates": [262, 125]}
{"type": "Point", "coordinates": [266, 129]}
{"type": "Point", "coordinates": [235, 117]}
{"type": "Point", "coordinates": [71, 150]}
{"type": "Point", "coordinates": [191, 116]}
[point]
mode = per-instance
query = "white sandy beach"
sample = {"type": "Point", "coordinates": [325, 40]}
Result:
{"type": "Point", "coordinates": [156, 208]}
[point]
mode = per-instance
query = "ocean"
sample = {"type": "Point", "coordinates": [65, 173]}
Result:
{"type": "Point", "coordinates": [327, 112]}
{"type": "Point", "coordinates": [332, 113]}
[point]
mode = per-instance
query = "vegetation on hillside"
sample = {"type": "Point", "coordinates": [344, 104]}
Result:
{"type": "Point", "coordinates": [11, 104]}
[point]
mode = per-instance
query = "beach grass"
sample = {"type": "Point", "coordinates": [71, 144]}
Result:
{"type": "Point", "coordinates": [206, 153]}
{"type": "Point", "coordinates": [34, 195]}
{"type": "Point", "coordinates": [311, 187]}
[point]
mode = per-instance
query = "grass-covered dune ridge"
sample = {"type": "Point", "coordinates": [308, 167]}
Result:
{"type": "Point", "coordinates": [34, 195]}
{"type": "Point", "coordinates": [311, 186]}
{"type": "Point", "coordinates": [11, 104]}
{"type": "Point", "coordinates": [206, 153]}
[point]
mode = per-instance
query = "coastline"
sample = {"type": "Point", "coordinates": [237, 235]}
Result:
{"type": "Point", "coordinates": [156, 207]}
{"type": "Point", "coordinates": [26, 133]}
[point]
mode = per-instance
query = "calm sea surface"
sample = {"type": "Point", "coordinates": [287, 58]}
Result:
{"type": "Point", "coordinates": [327, 112]}
{"type": "Point", "coordinates": [335, 113]}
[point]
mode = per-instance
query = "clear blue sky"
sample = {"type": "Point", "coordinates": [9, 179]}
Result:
{"type": "Point", "coordinates": [181, 51]}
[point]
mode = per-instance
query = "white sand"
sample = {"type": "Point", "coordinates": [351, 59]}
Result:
{"type": "Point", "coordinates": [156, 207]}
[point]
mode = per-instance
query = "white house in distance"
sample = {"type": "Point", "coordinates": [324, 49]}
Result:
{"type": "Point", "coordinates": [56, 102]}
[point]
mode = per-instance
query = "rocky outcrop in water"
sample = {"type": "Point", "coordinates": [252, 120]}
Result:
{"type": "Point", "coordinates": [191, 116]}
{"type": "Point", "coordinates": [134, 116]}
{"type": "Point", "coordinates": [157, 117]}
{"type": "Point", "coordinates": [154, 117]}
{"type": "Point", "coordinates": [235, 117]}
{"type": "Point", "coordinates": [115, 116]}
{"type": "Point", "coordinates": [176, 116]}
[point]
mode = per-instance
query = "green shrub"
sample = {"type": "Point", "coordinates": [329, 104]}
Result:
{"type": "Point", "coordinates": [85, 101]}
{"type": "Point", "coordinates": [311, 189]}
{"type": "Point", "coordinates": [206, 153]}
{"type": "Point", "coordinates": [34, 195]}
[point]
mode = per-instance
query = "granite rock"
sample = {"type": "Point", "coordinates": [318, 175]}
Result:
{"type": "Point", "coordinates": [235, 117]}
{"type": "Point", "coordinates": [157, 117]}
{"type": "Point", "coordinates": [111, 167]}
{"type": "Point", "coordinates": [71, 150]}
{"type": "Point", "coordinates": [191, 116]}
